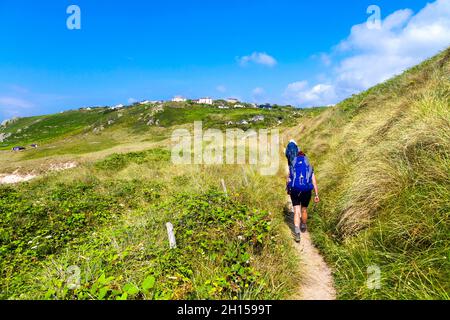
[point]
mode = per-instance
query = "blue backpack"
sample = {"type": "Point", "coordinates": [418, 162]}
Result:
{"type": "Point", "coordinates": [300, 174]}
{"type": "Point", "coordinates": [291, 153]}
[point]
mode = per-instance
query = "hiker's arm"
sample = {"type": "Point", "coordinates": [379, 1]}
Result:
{"type": "Point", "coordinates": [316, 189]}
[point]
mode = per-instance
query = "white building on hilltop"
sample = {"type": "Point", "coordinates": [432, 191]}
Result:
{"type": "Point", "coordinates": [179, 99]}
{"type": "Point", "coordinates": [232, 100]}
{"type": "Point", "coordinates": [205, 101]}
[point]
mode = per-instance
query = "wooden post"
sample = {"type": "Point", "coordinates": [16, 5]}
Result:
{"type": "Point", "coordinates": [172, 240]}
{"type": "Point", "coordinates": [244, 173]}
{"type": "Point", "coordinates": [224, 188]}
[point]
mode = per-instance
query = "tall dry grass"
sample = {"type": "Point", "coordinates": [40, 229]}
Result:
{"type": "Point", "coordinates": [383, 165]}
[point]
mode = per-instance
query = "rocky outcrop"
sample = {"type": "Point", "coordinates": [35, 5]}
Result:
{"type": "Point", "coordinates": [4, 136]}
{"type": "Point", "coordinates": [8, 121]}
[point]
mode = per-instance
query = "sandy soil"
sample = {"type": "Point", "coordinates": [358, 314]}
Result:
{"type": "Point", "coordinates": [17, 177]}
{"type": "Point", "coordinates": [317, 280]}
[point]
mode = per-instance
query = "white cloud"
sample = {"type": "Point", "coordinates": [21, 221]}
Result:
{"type": "Point", "coordinates": [18, 101]}
{"type": "Point", "coordinates": [318, 95]}
{"type": "Point", "coordinates": [257, 91]}
{"type": "Point", "coordinates": [18, 89]}
{"type": "Point", "coordinates": [14, 102]}
{"type": "Point", "coordinates": [324, 58]}
{"type": "Point", "coordinates": [369, 55]}
{"type": "Point", "coordinates": [261, 58]}
{"type": "Point", "coordinates": [258, 94]}
{"type": "Point", "coordinates": [221, 88]}
{"type": "Point", "coordinates": [12, 106]}
{"type": "Point", "coordinates": [131, 100]}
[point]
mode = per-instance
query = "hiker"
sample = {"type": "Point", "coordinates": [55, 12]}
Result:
{"type": "Point", "coordinates": [300, 184]}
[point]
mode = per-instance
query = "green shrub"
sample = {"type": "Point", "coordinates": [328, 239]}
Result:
{"type": "Point", "coordinates": [120, 161]}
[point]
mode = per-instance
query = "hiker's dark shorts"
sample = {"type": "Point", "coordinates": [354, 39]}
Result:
{"type": "Point", "coordinates": [302, 198]}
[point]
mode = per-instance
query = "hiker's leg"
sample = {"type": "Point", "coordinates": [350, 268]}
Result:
{"type": "Point", "coordinates": [305, 200]}
{"type": "Point", "coordinates": [297, 214]}
{"type": "Point", "coordinates": [304, 214]}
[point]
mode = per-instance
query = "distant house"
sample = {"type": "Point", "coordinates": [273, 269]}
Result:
{"type": "Point", "coordinates": [179, 99]}
{"type": "Point", "coordinates": [232, 100]}
{"type": "Point", "coordinates": [223, 107]}
{"type": "Point", "coordinates": [265, 106]}
{"type": "Point", "coordinates": [239, 106]}
{"type": "Point", "coordinates": [205, 101]}
{"type": "Point", "coordinates": [145, 102]}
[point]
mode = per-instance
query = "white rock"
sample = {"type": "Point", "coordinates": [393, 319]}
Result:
{"type": "Point", "coordinates": [4, 136]}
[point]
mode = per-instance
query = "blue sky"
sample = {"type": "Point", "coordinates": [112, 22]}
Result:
{"type": "Point", "coordinates": [299, 52]}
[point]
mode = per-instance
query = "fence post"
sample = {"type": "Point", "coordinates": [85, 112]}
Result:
{"type": "Point", "coordinates": [172, 240]}
{"type": "Point", "coordinates": [244, 173]}
{"type": "Point", "coordinates": [224, 187]}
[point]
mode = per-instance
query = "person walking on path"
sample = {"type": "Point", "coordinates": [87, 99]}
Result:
{"type": "Point", "coordinates": [300, 184]}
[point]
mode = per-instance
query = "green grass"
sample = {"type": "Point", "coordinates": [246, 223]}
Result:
{"type": "Point", "coordinates": [218, 118]}
{"type": "Point", "coordinates": [72, 132]}
{"type": "Point", "coordinates": [71, 147]}
{"type": "Point", "coordinates": [119, 161]}
{"type": "Point", "coordinates": [106, 218]}
{"type": "Point", "coordinates": [382, 159]}
{"type": "Point", "coordinates": [44, 129]}
{"type": "Point", "coordinates": [111, 228]}
{"type": "Point", "coordinates": [383, 165]}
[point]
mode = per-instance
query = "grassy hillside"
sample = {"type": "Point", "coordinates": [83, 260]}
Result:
{"type": "Point", "coordinates": [112, 229]}
{"type": "Point", "coordinates": [382, 159]}
{"type": "Point", "coordinates": [134, 120]}
{"type": "Point", "coordinates": [96, 133]}
{"type": "Point", "coordinates": [105, 220]}
{"type": "Point", "coordinates": [383, 164]}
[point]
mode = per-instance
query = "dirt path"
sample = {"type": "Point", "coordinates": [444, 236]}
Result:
{"type": "Point", "coordinates": [317, 281]}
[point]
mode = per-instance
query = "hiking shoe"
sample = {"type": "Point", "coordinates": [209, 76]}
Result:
{"type": "Point", "coordinates": [298, 237]}
{"type": "Point", "coordinates": [303, 227]}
